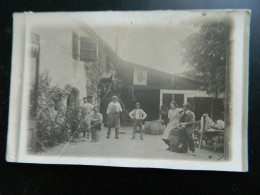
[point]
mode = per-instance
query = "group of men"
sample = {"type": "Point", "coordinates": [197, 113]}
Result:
{"type": "Point", "coordinates": [137, 115]}
{"type": "Point", "coordinates": [93, 121]}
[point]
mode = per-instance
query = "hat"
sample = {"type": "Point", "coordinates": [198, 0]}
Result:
{"type": "Point", "coordinates": [137, 103]}
{"type": "Point", "coordinates": [114, 97]}
{"type": "Point", "coordinates": [187, 105]}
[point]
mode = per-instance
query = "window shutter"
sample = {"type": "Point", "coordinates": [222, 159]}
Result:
{"type": "Point", "coordinates": [88, 49]}
{"type": "Point", "coordinates": [75, 46]}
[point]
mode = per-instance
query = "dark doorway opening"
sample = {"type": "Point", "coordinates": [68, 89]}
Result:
{"type": "Point", "coordinates": [179, 99]}
{"type": "Point", "coordinates": [200, 106]}
{"type": "Point", "coordinates": [73, 98]}
{"type": "Point", "coordinates": [166, 99]}
{"type": "Point", "coordinates": [150, 102]}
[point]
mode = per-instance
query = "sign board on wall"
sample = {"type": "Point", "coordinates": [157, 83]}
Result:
{"type": "Point", "coordinates": [140, 76]}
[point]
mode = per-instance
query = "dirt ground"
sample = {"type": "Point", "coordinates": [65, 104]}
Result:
{"type": "Point", "coordinates": [152, 147]}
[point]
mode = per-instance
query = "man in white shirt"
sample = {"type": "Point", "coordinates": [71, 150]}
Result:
{"type": "Point", "coordinates": [86, 110]}
{"type": "Point", "coordinates": [137, 115]}
{"type": "Point", "coordinates": [113, 110]}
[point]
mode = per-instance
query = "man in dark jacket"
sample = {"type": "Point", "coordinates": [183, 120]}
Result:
{"type": "Point", "coordinates": [187, 127]}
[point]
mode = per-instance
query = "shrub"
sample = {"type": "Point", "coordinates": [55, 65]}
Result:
{"type": "Point", "coordinates": [55, 123]}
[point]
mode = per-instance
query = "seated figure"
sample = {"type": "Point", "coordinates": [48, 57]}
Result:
{"type": "Point", "coordinates": [186, 128]}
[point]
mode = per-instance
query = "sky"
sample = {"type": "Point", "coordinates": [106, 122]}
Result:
{"type": "Point", "coordinates": [151, 39]}
{"type": "Point", "coordinates": [154, 46]}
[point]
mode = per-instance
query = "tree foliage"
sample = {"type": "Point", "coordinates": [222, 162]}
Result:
{"type": "Point", "coordinates": [207, 53]}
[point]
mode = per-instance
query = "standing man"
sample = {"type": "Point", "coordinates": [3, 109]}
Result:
{"type": "Point", "coordinates": [187, 127]}
{"type": "Point", "coordinates": [86, 110]}
{"type": "Point", "coordinates": [138, 115]}
{"type": "Point", "coordinates": [113, 111]}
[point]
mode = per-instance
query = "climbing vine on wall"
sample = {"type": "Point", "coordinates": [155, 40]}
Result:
{"type": "Point", "coordinates": [93, 73]}
{"type": "Point", "coordinates": [54, 122]}
{"type": "Point", "coordinates": [104, 65]}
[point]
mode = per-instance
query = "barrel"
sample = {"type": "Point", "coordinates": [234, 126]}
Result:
{"type": "Point", "coordinates": [161, 129]}
{"type": "Point", "coordinates": [155, 128]}
{"type": "Point", "coordinates": [173, 137]}
{"type": "Point", "coordinates": [174, 148]}
{"type": "Point", "coordinates": [147, 126]}
{"type": "Point", "coordinates": [174, 142]}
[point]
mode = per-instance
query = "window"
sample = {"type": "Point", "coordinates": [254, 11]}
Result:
{"type": "Point", "coordinates": [88, 49]}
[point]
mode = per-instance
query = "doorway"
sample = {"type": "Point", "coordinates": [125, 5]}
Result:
{"type": "Point", "coordinates": [179, 99]}
{"type": "Point", "coordinates": [150, 102]}
{"type": "Point", "coordinates": [73, 98]}
{"type": "Point", "coordinates": [166, 99]}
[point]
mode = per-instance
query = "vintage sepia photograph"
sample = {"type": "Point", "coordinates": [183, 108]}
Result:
{"type": "Point", "coordinates": [134, 89]}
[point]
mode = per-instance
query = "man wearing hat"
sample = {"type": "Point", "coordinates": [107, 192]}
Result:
{"type": "Point", "coordinates": [113, 110]}
{"type": "Point", "coordinates": [86, 110]}
{"type": "Point", "coordinates": [187, 127]}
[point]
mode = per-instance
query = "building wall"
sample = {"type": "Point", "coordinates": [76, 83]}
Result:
{"type": "Point", "coordinates": [176, 87]}
{"type": "Point", "coordinates": [155, 79]}
{"type": "Point", "coordinates": [56, 57]}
